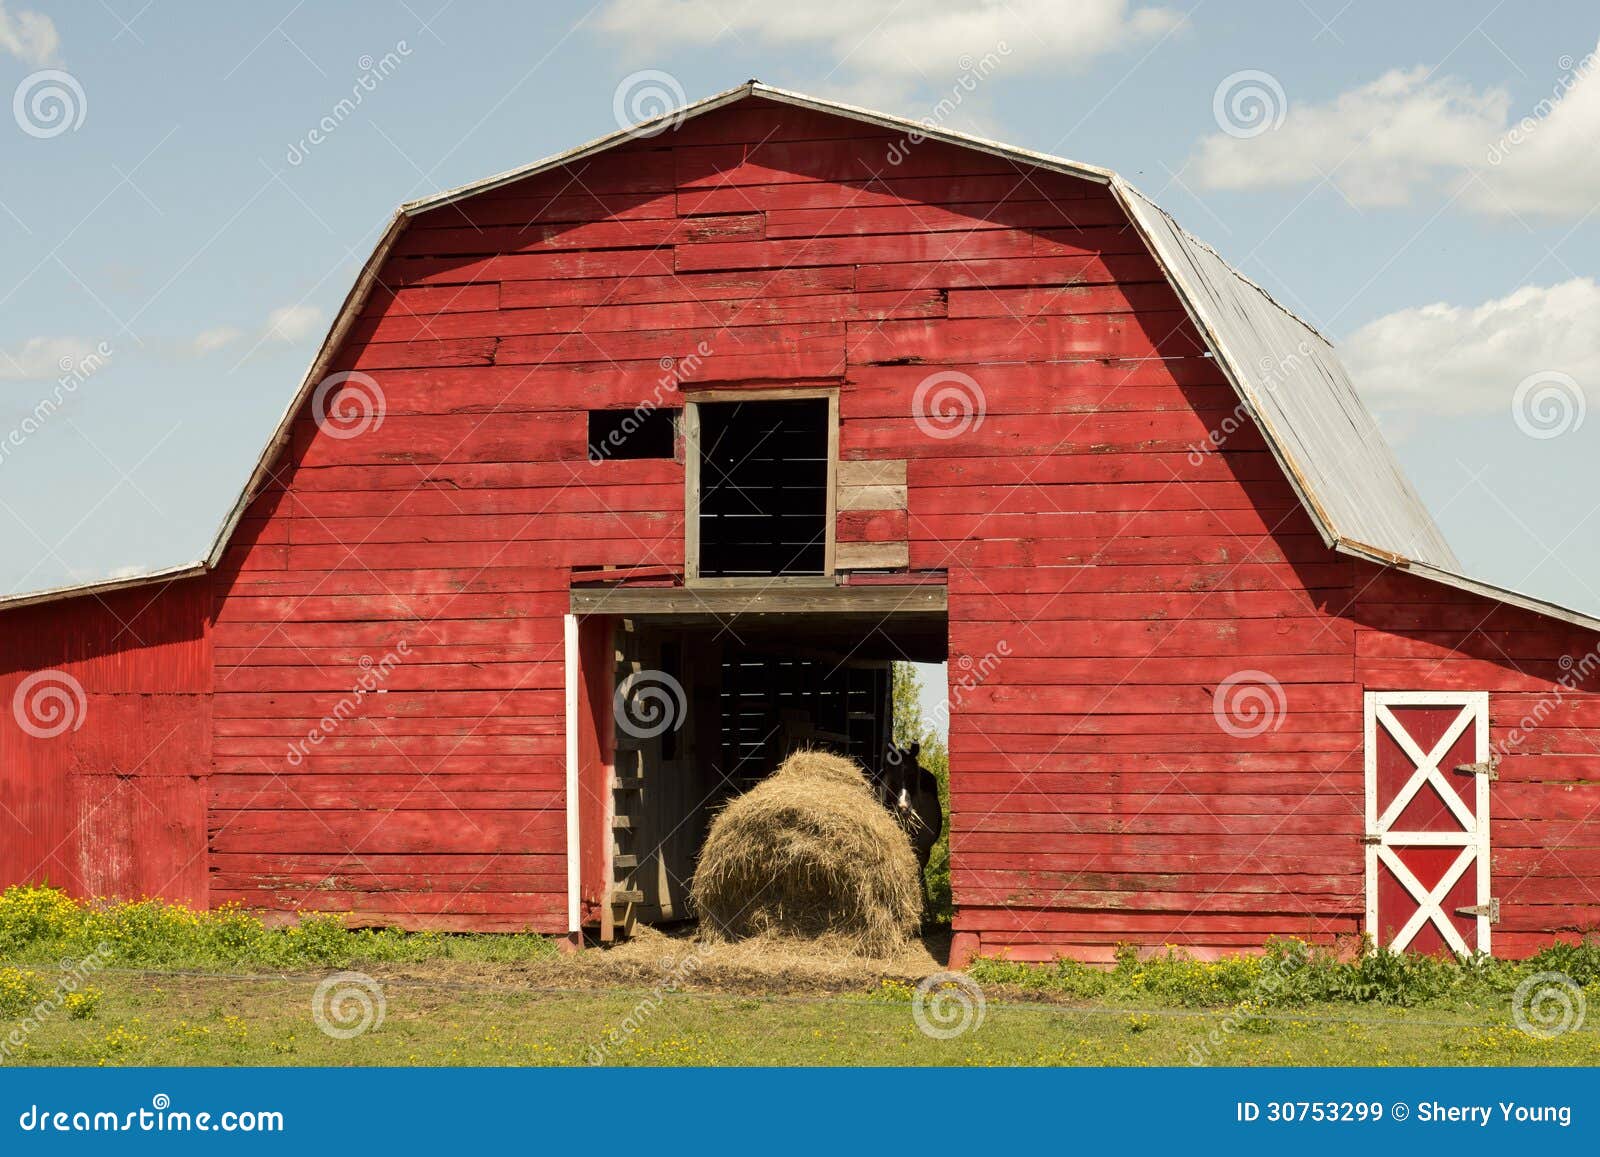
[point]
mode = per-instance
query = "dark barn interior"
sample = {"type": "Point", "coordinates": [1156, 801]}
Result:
{"type": "Point", "coordinates": [746, 695]}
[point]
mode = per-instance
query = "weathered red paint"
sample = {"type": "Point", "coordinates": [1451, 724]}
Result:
{"type": "Point", "coordinates": [1119, 575]}
{"type": "Point", "coordinates": [106, 753]}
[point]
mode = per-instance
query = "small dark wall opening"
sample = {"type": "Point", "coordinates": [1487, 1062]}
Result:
{"type": "Point", "coordinates": [632, 434]}
{"type": "Point", "coordinates": [763, 503]}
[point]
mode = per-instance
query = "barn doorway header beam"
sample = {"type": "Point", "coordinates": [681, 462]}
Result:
{"type": "Point", "coordinates": [912, 599]}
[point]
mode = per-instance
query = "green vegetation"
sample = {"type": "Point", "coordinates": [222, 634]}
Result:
{"type": "Point", "coordinates": [43, 925]}
{"type": "Point", "coordinates": [22, 990]}
{"type": "Point", "coordinates": [1291, 974]}
{"type": "Point", "coordinates": [909, 728]}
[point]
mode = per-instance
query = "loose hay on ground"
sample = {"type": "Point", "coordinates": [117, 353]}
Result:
{"type": "Point", "coordinates": [810, 852]}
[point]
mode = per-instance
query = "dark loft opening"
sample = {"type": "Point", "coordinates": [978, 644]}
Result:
{"type": "Point", "coordinates": [763, 488]}
{"type": "Point", "coordinates": [632, 434]}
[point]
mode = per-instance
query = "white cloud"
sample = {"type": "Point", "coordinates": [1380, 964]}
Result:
{"type": "Point", "coordinates": [920, 40]}
{"type": "Point", "coordinates": [1377, 143]}
{"type": "Point", "coordinates": [1544, 164]}
{"type": "Point", "coordinates": [214, 339]}
{"type": "Point", "coordinates": [29, 36]}
{"type": "Point", "coordinates": [42, 358]}
{"type": "Point", "coordinates": [1409, 132]}
{"type": "Point", "coordinates": [294, 323]}
{"type": "Point", "coordinates": [286, 325]}
{"type": "Point", "coordinates": [1461, 360]}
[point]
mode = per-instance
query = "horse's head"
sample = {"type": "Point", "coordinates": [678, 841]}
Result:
{"type": "Point", "coordinates": [899, 781]}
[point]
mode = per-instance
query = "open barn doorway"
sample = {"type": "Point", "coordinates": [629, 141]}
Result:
{"type": "Point", "coordinates": [701, 708]}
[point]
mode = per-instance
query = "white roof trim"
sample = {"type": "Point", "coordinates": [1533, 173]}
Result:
{"type": "Point", "coordinates": [1441, 568]}
{"type": "Point", "coordinates": [105, 586]}
{"type": "Point", "coordinates": [1488, 590]}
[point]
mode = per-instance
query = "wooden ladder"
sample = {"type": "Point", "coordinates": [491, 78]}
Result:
{"type": "Point", "coordinates": [619, 914]}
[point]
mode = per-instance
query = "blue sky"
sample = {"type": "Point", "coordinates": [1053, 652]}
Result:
{"type": "Point", "coordinates": [1387, 170]}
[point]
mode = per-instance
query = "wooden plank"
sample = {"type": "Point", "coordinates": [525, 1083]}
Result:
{"type": "Point", "coordinates": [872, 497]}
{"type": "Point", "coordinates": [625, 318]}
{"type": "Point", "coordinates": [873, 525]}
{"type": "Point", "coordinates": [907, 248]}
{"type": "Point", "coordinates": [880, 472]}
{"type": "Point", "coordinates": [762, 597]}
{"type": "Point", "coordinates": [888, 189]}
{"type": "Point", "coordinates": [477, 241]}
{"type": "Point", "coordinates": [1032, 338]}
{"type": "Point", "coordinates": [918, 217]}
{"type": "Point", "coordinates": [764, 284]}
{"type": "Point", "coordinates": [873, 556]}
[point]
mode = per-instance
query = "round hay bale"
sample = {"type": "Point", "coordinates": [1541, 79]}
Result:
{"type": "Point", "coordinates": [824, 765]}
{"type": "Point", "coordinates": [810, 852]}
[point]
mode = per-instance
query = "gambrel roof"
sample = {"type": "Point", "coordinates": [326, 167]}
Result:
{"type": "Point", "coordinates": [1287, 375]}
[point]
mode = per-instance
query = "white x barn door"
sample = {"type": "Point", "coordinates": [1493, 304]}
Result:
{"type": "Point", "coordinates": [1427, 834]}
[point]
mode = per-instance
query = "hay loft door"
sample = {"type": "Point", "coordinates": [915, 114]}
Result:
{"type": "Point", "coordinates": [1427, 821]}
{"type": "Point", "coordinates": [760, 468]}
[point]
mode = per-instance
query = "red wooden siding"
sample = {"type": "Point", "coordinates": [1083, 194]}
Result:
{"type": "Point", "coordinates": [111, 803]}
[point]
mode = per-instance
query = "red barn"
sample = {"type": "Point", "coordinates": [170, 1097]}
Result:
{"type": "Point", "coordinates": [620, 474]}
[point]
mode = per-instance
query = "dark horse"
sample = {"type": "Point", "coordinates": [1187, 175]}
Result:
{"type": "Point", "coordinates": [911, 793]}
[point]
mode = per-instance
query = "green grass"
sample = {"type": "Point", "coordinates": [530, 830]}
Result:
{"type": "Point", "coordinates": [190, 1020]}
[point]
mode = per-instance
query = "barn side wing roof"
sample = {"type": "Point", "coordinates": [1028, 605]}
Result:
{"type": "Point", "coordinates": [1290, 380]}
{"type": "Point", "coordinates": [1287, 375]}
